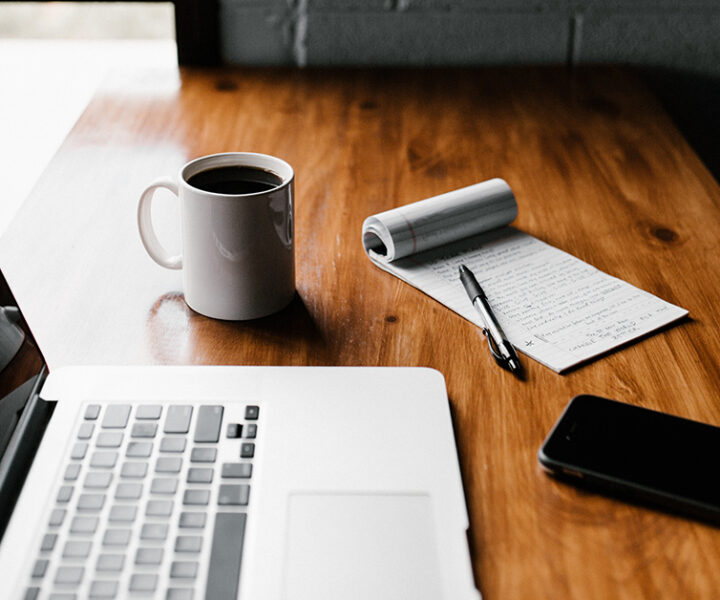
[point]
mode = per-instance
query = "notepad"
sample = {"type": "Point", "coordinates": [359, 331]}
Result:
{"type": "Point", "coordinates": [554, 307]}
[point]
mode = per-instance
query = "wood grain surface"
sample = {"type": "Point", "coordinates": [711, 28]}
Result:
{"type": "Point", "coordinates": [598, 170]}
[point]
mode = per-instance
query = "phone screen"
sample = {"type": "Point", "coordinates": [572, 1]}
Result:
{"type": "Point", "coordinates": [644, 449]}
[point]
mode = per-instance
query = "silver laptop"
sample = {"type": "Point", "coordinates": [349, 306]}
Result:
{"type": "Point", "coordinates": [262, 483]}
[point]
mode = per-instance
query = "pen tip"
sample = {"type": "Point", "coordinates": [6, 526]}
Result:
{"type": "Point", "coordinates": [462, 269]}
{"type": "Point", "coordinates": [516, 368]}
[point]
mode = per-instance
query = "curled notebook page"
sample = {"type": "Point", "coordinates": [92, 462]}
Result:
{"type": "Point", "coordinates": [439, 220]}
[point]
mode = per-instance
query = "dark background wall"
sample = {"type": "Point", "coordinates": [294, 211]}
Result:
{"type": "Point", "coordinates": [674, 43]}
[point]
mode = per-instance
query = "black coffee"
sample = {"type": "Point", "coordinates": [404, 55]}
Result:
{"type": "Point", "coordinates": [234, 180]}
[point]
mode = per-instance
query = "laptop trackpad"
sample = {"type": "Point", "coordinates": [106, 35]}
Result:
{"type": "Point", "coordinates": [361, 546]}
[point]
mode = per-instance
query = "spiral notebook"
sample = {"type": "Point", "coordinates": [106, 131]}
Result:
{"type": "Point", "coordinates": [554, 307]}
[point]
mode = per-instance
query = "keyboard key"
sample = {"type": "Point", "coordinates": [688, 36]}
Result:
{"type": "Point", "coordinates": [62, 596]}
{"type": "Point", "coordinates": [79, 450]}
{"type": "Point", "coordinates": [206, 455]}
{"type": "Point", "coordinates": [234, 430]}
{"type": "Point", "coordinates": [116, 537]}
{"type": "Point", "coordinates": [33, 593]}
{"type": "Point", "coordinates": [144, 430]}
{"type": "Point", "coordinates": [168, 464]}
{"type": "Point", "coordinates": [173, 444]}
{"type": "Point", "coordinates": [252, 413]}
{"type": "Point", "coordinates": [159, 508]}
{"type": "Point", "coordinates": [196, 497]}
{"type": "Point", "coordinates": [92, 412]}
{"type": "Point", "coordinates": [64, 494]}
{"type": "Point", "coordinates": [69, 575]}
{"type": "Point", "coordinates": [148, 411]}
{"type": "Point", "coordinates": [233, 495]}
{"type": "Point", "coordinates": [188, 543]}
{"type": "Point", "coordinates": [76, 549]}
{"type": "Point", "coordinates": [72, 471]}
{"type": "Point", "coordinates": [251, 431]}
{"type": "Point", "coordinates": [247, 450]}
{"type": "Point", "coordinates": [148, 556]}
{"type": "Point", "coordinates": [128, 491]}
{"type": "Point", "coordinates": [103, 589]}
{"type": "Point", "coordinates": [48, 542]}
{"type": "Point", "coordinates": [109, 439]}
{"type": "Point", "coordinates": [123, 513]}
{"type": "Point", "coordinates": [110, 562]}
{"type": "Point", "coordinates": [139, 449]}
{"type": "Point", "coordinates": [192, 520]}
{"type": "Point", "coordinates": [57, 516]}
{"type": "Point", "coordinates": [40, 568]}
{"type": "Point", "coordinates": [225, 556]}
{"type": "Point", "coordinates": [237, 470]}
{"type": "Point", "coordinates": [85, 431]}
{"type": "Point", "coordinates": [98, 479]}
{"type": "Point", "coordinates": [183, 569]}
{"type": "Point", "coordinates": [164, 485]}
{"type": "Point", "coordinates": [116, 416]}
{"type": "Point", "coordinates": [103, 459]}
{"type": "Point", "coordinates": [179, 594]}
{"type": "Point", "coordinates": [91, 502]}
{"type": "Point", "coordinates": [143, 582]}
{"type": "Point", "coordinates": [199, 475]}
{"type": "Point", "coordinates": [84, 525]}
{"type": "Point", "coordinates": [207, 426]}
{"type": "Point", "coordinates": [134, 470]}
{"type": "Point", "coordinates": [178, 419]}
{"type": "Point", "coordinates": [153, 531]}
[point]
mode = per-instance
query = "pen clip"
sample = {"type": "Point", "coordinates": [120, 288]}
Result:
{"type": "Point", "coordinates": [494, 350]}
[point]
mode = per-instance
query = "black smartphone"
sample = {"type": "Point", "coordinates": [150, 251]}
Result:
{"type": "Point", "coordinates": [637, 453]}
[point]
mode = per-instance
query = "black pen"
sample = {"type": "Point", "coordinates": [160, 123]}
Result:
{"type": "Point", "coordinates": [502, 350]}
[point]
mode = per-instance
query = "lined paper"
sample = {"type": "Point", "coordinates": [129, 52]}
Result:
{"type": "Point", "coordinates": [553, 307]}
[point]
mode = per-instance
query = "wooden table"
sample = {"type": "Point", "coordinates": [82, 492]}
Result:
{"type": "Point", "coordinates": [599, 171]}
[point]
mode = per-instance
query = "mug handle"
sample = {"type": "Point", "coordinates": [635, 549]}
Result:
{"type": "Point", "coordinates": [147, 232]}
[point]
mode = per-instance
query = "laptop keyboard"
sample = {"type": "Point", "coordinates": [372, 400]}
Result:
{"type": "Point", "coordinates": [152, 502]}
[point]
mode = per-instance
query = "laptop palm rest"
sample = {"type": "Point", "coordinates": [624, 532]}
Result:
{"type": "Point", "coordinates": [361, 546]}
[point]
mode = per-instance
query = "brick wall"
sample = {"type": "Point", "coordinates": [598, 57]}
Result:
{"type": "Point", "coordinates": [674, 34]}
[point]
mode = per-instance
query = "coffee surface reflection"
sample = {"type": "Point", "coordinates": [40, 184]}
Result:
{"type": "Point", "coordinates": [235, 180]}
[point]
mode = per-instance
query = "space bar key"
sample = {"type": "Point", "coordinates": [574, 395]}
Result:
{"type": "Point", "coordinates": [225, 556]}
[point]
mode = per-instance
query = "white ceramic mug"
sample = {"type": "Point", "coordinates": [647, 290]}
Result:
{"type": "Point", "coordinates": [237, 249]}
